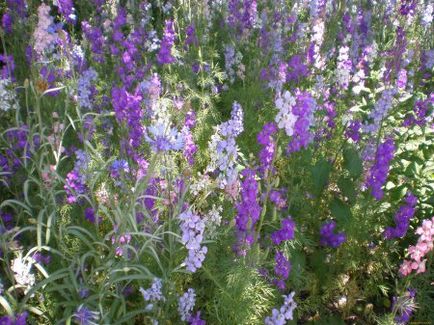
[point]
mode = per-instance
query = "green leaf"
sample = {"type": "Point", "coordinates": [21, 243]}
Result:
{"type": "Point", "coordinates": [352, 162]}
{"type": "Point", "coordinates": [320, 175]}
{"type": "Point", "coordinates": [340, 210]}
{"type": "Point", "coordinates": [347, 187]}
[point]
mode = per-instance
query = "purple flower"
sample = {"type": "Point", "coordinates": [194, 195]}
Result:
{"type": "Point", "coordinates": [66, 8]}
{"type": "Point", "coordinates": [248, 212]}
{"type": "Point", "coordinates": [285, 313]}
{"type": "Point", "coordinates": [196, 320]}
{"type": "Point", "coordinates": [265, 139]}
{"type": "Point", "coordinates": [20, 319]}
{"type": "Point", "coordinates": [89, 214]}
{"type": "Point", "coordinates": [402, 218]}
{"type": "Point", "coordinates": [353, 131]}
{"type": "Point", "coordinates": [328, 237]}
{"type": "Point", "coordinates": [7, 23]}
{"type": "Point", "coordinates": [286, 232]}
{"type": "Point", "coordinates": [379, 171]}
{"type": "Point", "coordinates": [281, 269]}
{"type": "Point", "coordinates": [191, 38]}
{"type": "Point", "coordinates": [186, 304]}
{"type": "Point", "coordinates": [164, 56]}
{"type": "Point", "coordinates": [84, 316]}
{"type": "Point", "coordinates": [192, 228]}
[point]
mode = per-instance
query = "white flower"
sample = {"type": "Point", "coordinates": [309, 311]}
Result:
{"type": "Point", "coordinates": [21, 267]}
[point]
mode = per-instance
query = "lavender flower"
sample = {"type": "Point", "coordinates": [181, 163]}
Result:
{"type": "Point", "coordinates": [329, 238]}
{"type": "Point", "coordinates": [285, 313]}
{"type": "Point", "coordinates": [402, 218]}
{"type": "Point", "coordinates": [344, 67]}
{"type": "Point", "coordinates": [84, 316]}
{"type": "Point", "coordinates": [379, 171]}
{"type": "Point", "coordinates": [186, 304]}
{"type": "Point", "coordinates": [192, 228]}
{"type": "Point", "coordinates": [380, 111]}
{"type": "Point", "coordinates": [20, 319]}
{"type": "Point", "coordinates": [7, 23]}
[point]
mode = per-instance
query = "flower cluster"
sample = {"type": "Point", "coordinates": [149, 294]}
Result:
{"type": "Point", "coordinates": [45, 34]}
{"type": "Point", "coordinates": [186, 304]}
{"type": "Point", "coordinates": [344, 67]}
{"type": "Point", "coordinates": [153, 294]}
{"type": "Point", "coordinates": [162, 137]}
{"type": "Point", "coordinates": [286, 232]}
{"type": "Point", "coordinates": [85, 88]}
{"type": "Point", "coordinates": [8, 97]}
{"type": "Point", "coordinates": [265, 139]}
{"type": "Point", "coordinates": [85, 316]}
{"type": "Point", "coordinates": [424, 245]}
{"type": "Point", "coordinates": [402, 218]}
{"type": "Point", "coordinates": [329, 238]}
{"type": "Point", "coordinates": [248, 212]}
{"type": "Point", "coordinates": [379, 171]}
{"type": "Point", "coordinates": [21, 268]}
{"type": "Point", "coordinates": [277, 198]}
{"type": "Point", "coordinates": [20, 319]}
{"type": "Point", "coordinates": [285, 313]}
{"type": "Point", "coordinates": [76, 178]}
{"type": "Point", "coordinates": [380, 111]}
{"type": "Point", "coordinates": [223, 148]}
{"type": "Point", "coordinates": [190, 147]}
{"type": "Point", "coordinates": [193, 227]}
{"type": "Point", "coordinates": [421, 114]}
{"type": "Point", "coordinates": [66, 8]}
{"type": "Point", "coordinates": [128, 110]}
{"type": "Point", "coordinates": [303, 109]}
{"type": "Point", "coordinates": [233, 64]}
{"type": "Point", "coordinates": [404, 306]}
{"type": "Point", "coordinates": [121, 241]}
{"type": "Point", "coordinates": [285, 118]}
{"type": "Point", "coordinates": [164, 56]}
{"type": "Point", "coordinates": [281, 269]}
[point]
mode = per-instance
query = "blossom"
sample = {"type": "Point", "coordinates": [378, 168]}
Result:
{"type": "Point", "coordinates": [379, 171]}
{"type": "Point", "coordinates": [424, 245]}
{"type": "Point", "coordinates": [162, 137]}
{"type": "Point", "coordinates": [286, 232]}
{"type": "Point", "coordinates": [248, 212]}
{"type": "Point", "coordinates": [402, 218]}
{"type": "Point", "coordinates": [285, 119]}
{"type": "Point", "coordinates": [186, 304]}
{"type": "Point", "coordinates": [164, 56]}
{"type": "Point", "coordinates": [154, 293]}
{"type": "Point", "coordinates": [45, 35]}
{"type": "Point", "coordinates": [265, 139]}
{"type": "Point", "coordinates": [21, 267]}
{"type": "Point", "coordinates": [285, 313]}
{"type": "Point", "coordinates": [329, 238]}
{"type": "Point", "coordinates": [19, 319]}
{"type": "Point", "coordinates": [8, 97]}
{"type": "Point", "coordinates": [223, 148]}
{"type": "Point", "coordinates": [85, 316]}
{"type": "Point", "coordinates": [66, 8]}
{"type": "Point", "coordinates": [85, 89]}
{"type": "Point", "coordinates": [192, 228]}
{"type": "Point", "coordinates": [281, 269]}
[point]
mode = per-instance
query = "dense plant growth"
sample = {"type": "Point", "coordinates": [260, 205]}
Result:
{"type": "Point", "coordinates": [219, 162]}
